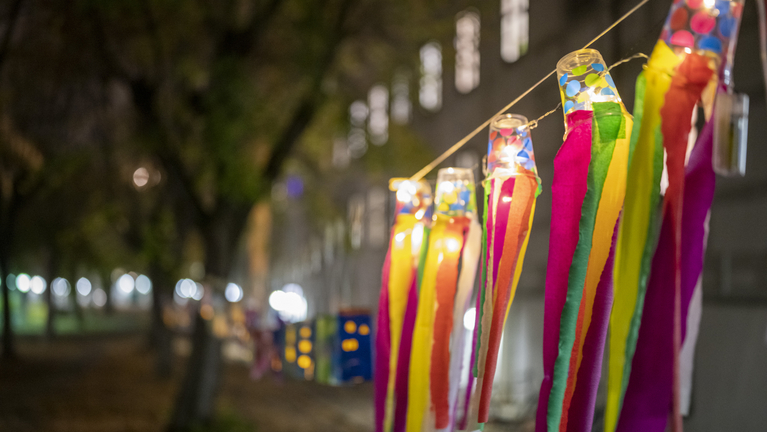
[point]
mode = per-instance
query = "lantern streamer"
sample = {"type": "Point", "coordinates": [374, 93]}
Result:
{"type": "Point", "coordinates": [510, 194]}
{"type": "Point", "coordinates": [470, 261]}
{"type": "Point", "coordinates": [397, 300]}
{"type": "Point", "coordinates": [639, 226]}
{"type": "Point", "coordinates": [429, 390]}
{"type": "Point", "coordinates": [590, 170]}
{"type": "Point", "coordinates": [698, 39]}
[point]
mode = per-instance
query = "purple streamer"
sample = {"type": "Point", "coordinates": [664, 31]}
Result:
{"type": "Point", "coordinates": [648, 397]}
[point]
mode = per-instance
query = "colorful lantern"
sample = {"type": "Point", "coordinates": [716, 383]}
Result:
{"type": "Point", "coordinates": [587, 197]}
{"type": "Point", "coordinates": [698, 39]}
{"type": "Point", "coordinates": [510, 193]}
{"type": "Point", "coordinates": [444, 293]}
{"type": "Point", "coordinates": [398, 301]}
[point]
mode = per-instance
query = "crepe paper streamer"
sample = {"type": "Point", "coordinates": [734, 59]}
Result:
{"type": "Point", "coordinates": [591, 169]}
{"type": "Point", "coordinates": [383, 347]}
{"type": "Point", "coordinates": [400, 271]}
{"type": "Point", "coordinates": [687, 354]}
{"type": "Point", "coordinates": [649, 393]}
{"type": "Point", "coordinates": [430, 356]}
{"type": "Point", "coordinates": [568, 191]}
{"type": "Point", "coordinates": [403, 362]}
{"type": "Point", "coordinates": [471, 378]}
{"type": "Point", "coordinates": [510, 193]}
{"type": "Point", "coordinates": [456, 199]}
{"type": "Point", "coordinates": [639, 226]}
{"type": "Point", "coordinates": [584, 396]}
{"type": "Point", "coordinates": [469, 264]}
{"type": "Point", "coordinates": [677, 56]}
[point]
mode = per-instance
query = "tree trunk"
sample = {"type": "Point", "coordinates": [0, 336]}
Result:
{"type": "Point", "coordinates": [106, 285]}
{"type": "Point", "coordinates": [72, 276]}
{"type": "Point", "coordinates": [9, 348]}
{"type": "Point", "coordinates": [196, 400]}
{"type": "Point", "coordinates": [195, 404]}
{"type": "Point", "coordinates": [160, 336]}
{"type": "Point", "coordinates": [53, 263]}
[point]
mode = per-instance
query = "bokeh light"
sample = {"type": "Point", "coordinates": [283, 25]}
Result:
{"type": "Point", "coordinates": [99, 297]}
{"type": "Point", "coordinates": [233, 292]}
{"type": "Point", "coordinates": [37, 285]}
{"type": "Point", "coordinates": [22, 282]}
{"type": "Point", "coordinates": [61, 287]}
{"type": "Point", "coordinates": [126, 283]}
{"type": "Point", "coordinates": [143, 284]}
{"type": "Point", "coordinates": [83, 286]}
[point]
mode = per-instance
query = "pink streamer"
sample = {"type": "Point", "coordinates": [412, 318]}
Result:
{"type": "Point", "coordinates": [383, 348]}
{"type": "Point", "coordinates": [403, 361]}
{"type": "Point", "coordinates": [568, 191]}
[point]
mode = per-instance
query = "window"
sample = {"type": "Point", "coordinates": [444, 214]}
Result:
{"type": "Point", "coordinates": [467, 52]}
{"type": "Point", "coordinates": [400, 103]}
{"type": "Point", "coordinates": [378, 120]}
{"type": "Point", "coordinates": [357, 141]}
{"type": "Point", "coordinates": [377, 232]}
{"type": "Point", "coordinates": [430, 94]}
{"type": "Point", "coordinates": [514, 29]}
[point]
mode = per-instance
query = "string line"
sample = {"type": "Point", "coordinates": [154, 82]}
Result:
{"type": "Point", "coordinates": [455, 147]}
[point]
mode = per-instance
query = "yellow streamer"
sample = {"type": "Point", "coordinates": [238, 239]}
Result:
{"type": "Point", "coordinates": [633, 231]}
{"type": "Point", "coordinates": [420, 355]}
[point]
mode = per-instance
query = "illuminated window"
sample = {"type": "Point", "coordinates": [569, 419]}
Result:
{"type": "Point", "coordinates": [514, 29]}
{"type": "Point", "coordinates": [400, 93]}
{"type": "Point", "coordinates": [356, 142]}
{"type": "Point", "coordinates": [378, 120]}
{"type": "Point", "coordinates": [377, 229]}
{"type": "Point", "coordinates": [356, 219]}
{"type": "Point", "coordinates": [430, 93]}
{"type": "Point", "coordinates": [467, 51]}
{"type": "Point", "coordinates": [341, 157]}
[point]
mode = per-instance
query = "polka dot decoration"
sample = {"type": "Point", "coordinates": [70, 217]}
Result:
{"type": "Point", "coordinates": [455, 192]}
{"type": "Point", "coordinates": [586, 84]}
{"type": "Point", "coordinates": [511, 151]}
{"type": "Point", "coordinates": [702, 22]}
{"type": "Point", "coordinates": [414, 199]}
{"type": "Point", "coordinates": [700, 25]}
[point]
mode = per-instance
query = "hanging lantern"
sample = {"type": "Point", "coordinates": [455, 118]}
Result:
{"type": "Point", "coordinates": [511, 189]}
{"type": "Point", "coordinates": [445, 290]}
{"type": "Point", "coordinates": [587, 197]}
{"type": "Point", "coordinates": [398, 301]}
{"type": "Point", "coordinates": [660, 249]}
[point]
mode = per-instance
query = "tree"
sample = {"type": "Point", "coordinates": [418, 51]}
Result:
{"type": "Point", "coordinates": [13, 180]}
{"type": "Point", "coordinates": [219, 94]}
